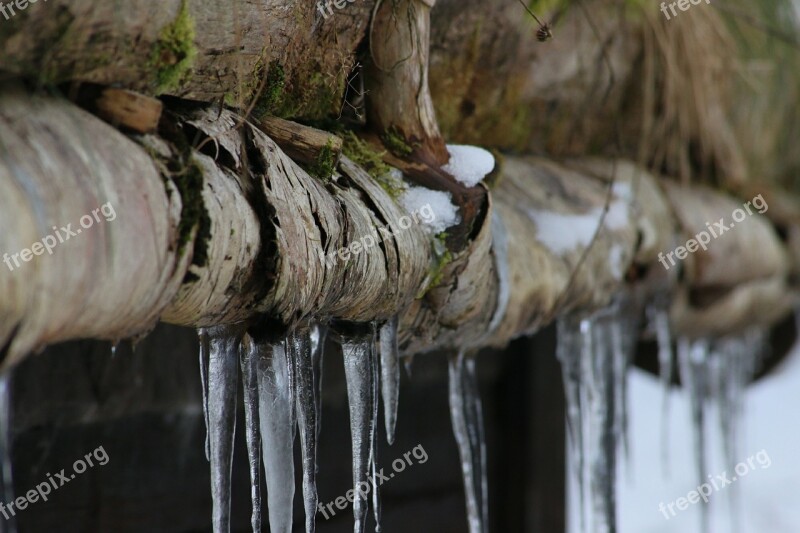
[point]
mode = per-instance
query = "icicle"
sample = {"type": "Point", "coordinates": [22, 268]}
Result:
{"type": "Point", "coordinates": [277, 431]}
{"type": "Point", "coordinates": [6, 441]}
{"type": "Point", "coordinates": [603, 353]}
{"type": "Point", "coordinates": [318, 334]}
{"type": "Point", "coordinates": [376, 386]}
{"type": "Point", "coordinates": [222, 386]}
{"type": "Point", "coordinates": [114, 349]}
{"type": "Point", "coordinates": [624, 322]}
{"type": "Point", "coordinates": [732, 365]}
{"type": "Point", "coordinates": [275, 397]}
{"type": "Point", "coordinates": [306, 402]}
{"type": "Point", "coordinates": [291, 374]}
{"type": "Point", "coordinates": [568, 352]}
{"type": "Point", "coordinates": [478, 433]}
{"type": "Point", "coordinates": [202, 338]}
{"type": "Point", "coordinates": [595, 354]}
{"type": "Point", "coordinates": [249, 365]}
{"type": "Point", "coordinates": [659, 316]}
{"type": "Point", "coordinates": [467, 420]}
{"type": "Point", "coordinates": [357, 351]}
{"type": "Point", "coordinates": [390, 376]}
{"type": "Point", "coordinates": [408, 363]}
{"type": "Point", "coordinates": [693, 364]}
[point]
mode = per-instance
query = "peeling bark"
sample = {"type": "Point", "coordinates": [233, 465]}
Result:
{"type": "Point", "coordinates": [536, 254]}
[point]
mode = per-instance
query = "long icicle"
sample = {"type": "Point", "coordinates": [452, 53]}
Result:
{"type": "Point", "coordinates": [732, 365]}
{"type": "Point", "coordinates": [202, 339]}
{"type": "Point", "coordinates": [373, 459]}
{"type": "Point", "coordinates": [305, 397]}
{"type": "Point", "coordinates": [693, 364]}
{"type": "Point", "coordinates": [466, 417]}
{"type": "Point", "coordinates": [390, 376]}
{"type": "Point", "coordinates": [568, 352]}
{"type": "Point", "coordinates": [249, 366]}
{"type": "Point", "coordinates": [607, 353]}
{"type": "Point", "coordinates": [586, 354]}
{"type": "Point", "coordinates": [660, 318]}
{"type": "Point", "coordinates": [357, 351]}
{"type": "Point", "coordinates": [277, 433]}
{"type": "Point", "coordinates": [6, 442]}
{"type": "Point", "coordinates": [222, 388]}
{"type": "Point", "coordinates": [478, 434]}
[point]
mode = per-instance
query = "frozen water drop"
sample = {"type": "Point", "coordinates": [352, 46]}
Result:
{"type": "Point", "coordinates": [222, 390]}
{"type": "Point", "coordinates": [249, 366]}
{"type": "Point", "coordinates": [277, 429]}
{"type": "Point", "coordinates": [390, 375]}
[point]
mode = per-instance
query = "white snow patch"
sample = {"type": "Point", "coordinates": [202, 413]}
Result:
{"type": "Point", "coordinates": [616, 260]}
{"type": "Point", "coordinates": [468, 164]}
{"type": "Point", "coordinates": [564, 232]}
{"type": "Point", "coordinates": [445, 214]}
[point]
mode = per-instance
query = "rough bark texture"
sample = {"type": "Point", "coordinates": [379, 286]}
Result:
{"type": "Point", "coordinates": [200, 49]}
{"type": "Point", "coordinates": [263, 256]}
{"type": "Point", "coordinates": [216, 224]}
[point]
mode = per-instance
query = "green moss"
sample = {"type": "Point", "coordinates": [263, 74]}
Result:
{"type": "Point", "coordinates": [361, 153]}
{"type": "Point", "coordinates": [442, 258]}
{"type": "Point", "coordinates": [189, 183]}
{"type": "Point", "coordinates": [174, 52]}
{"type": "Point", "coordinates": [395, 142]}
{"type": "Point", "coordinates": [271, 97]}
{"type": "Point", "coordinates": [308, 97]}
{"type": "Point", "coordinates": [325, 164]}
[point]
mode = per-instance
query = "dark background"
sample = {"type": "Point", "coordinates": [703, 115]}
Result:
{"type": "Point", "coordinates": [144, 407]}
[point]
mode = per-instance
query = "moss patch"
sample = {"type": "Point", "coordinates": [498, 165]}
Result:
{"type": "Point", "coordinates": [362, 154]}
{"type": "Point", "coordinates": [310, 97]}
{"type": "Point", "coordinates": [326, 162]}
{"type": "Point", "coordinates": [174, 52]}
{"type": "Point", "coordinates": [395, 142]}
{"type": "Point", "coordinates": [442, 258]}
{"type": "Point", "coordinates": [189, 183]}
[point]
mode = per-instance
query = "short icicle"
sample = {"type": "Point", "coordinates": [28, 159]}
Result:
{"type": "Point", "coordinates": [275, 399]}
{"type": "Point", "coordinates": [357, 351]}
{"type": "Point", "coordinates": [249, 366]}
{"type": "Point", "coordinates": [659, 317]}
{"type": "Point", "coordinates": [318, 334]}
{"type": "Point", "coordinates": [390, 375]}
{"type": "Point", "coordinates": [467, 419]}
{"type": "Point", "coordinates": [223, 361]}
{"type": "Point", "coordinates": [202, 339]}
{"type": "Point", "coordinates": [301, 351]}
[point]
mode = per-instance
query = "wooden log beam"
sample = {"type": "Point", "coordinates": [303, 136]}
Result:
{"type": "Point", "coordinates": [176, 250]}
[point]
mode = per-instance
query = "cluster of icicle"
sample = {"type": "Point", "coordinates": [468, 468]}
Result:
{"type": "Point", "coordinates": [596, 352]}
{"type": "Point", "coordinates": [281, 380]}
{"type": "Point", "coordinates": [716, 371]}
